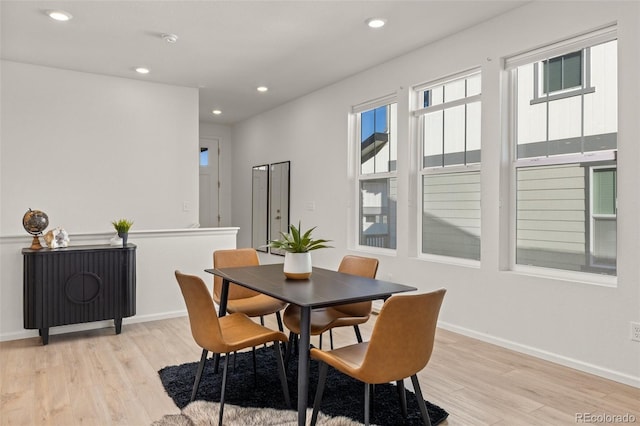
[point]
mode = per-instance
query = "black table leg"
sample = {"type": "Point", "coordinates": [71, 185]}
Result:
{"type": "Point", "coordinates": [303, 363]}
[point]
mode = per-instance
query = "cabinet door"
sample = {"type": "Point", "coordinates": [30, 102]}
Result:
{"type": "Point", "coordinates": [61, 287]}
{"type": "Point", "coordinates": [102, 285]}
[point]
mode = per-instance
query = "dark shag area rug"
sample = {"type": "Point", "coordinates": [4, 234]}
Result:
{"type": "Point", "coordinates": [343, 396]}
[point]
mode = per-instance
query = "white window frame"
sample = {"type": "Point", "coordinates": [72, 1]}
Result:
{"type": "Point", "coordinates": [583, 41]}
{"type": "Point", "coordinates": [417, 114]}
{"type": "Point", "coordinates": [593, 216]}
{"type": "Point", "coordinates": [355, 119]}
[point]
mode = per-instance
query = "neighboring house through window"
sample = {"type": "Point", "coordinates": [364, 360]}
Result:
{"type": "Point", "coordinates": [449, 129]}
{"type": "Point", "coordinates": [565, 151]}
{"type": "Point", "coordinates": [377, 183]}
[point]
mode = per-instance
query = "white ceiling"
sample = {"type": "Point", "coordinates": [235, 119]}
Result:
{"type": "Point", "coordinates": [228, 48]}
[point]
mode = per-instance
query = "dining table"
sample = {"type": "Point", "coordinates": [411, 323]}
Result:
{"type": "Point", "coordinates": [322, 289]}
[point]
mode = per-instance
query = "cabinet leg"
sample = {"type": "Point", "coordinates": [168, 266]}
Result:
{"type": "Point", "coordinates": [44, 333]}
{"type": "Point", "coordinates": [118, 324]}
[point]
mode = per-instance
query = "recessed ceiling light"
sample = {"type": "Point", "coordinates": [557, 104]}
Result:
{"type": "Point", "coordinates": [262, 89]}
{"type": "Point", "coordinates": [216, 112]}
{"type": "Point", "coordinates": [375, 22]}
{"type": "Point", "coordinates": [59, 15]}
{"type": "Point", "coordinates": [142, 70]}
{"type": "Point", "coordinates": [170, 38]}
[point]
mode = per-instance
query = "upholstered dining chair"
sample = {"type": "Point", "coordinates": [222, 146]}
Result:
{"type": "Point", "coordinates": [241, 299]}
{"type": "Point", "coordinates": [224, 335]}
{"type": "Point", "coordinates": [388, 356]}
{"type": "Point", "coordinates": [351, 314]}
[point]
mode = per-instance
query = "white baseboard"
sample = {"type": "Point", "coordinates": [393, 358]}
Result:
{"type": "Point", "coordinates": [547, 356]}
{"type": "Point", "coordinates": [26, 334]}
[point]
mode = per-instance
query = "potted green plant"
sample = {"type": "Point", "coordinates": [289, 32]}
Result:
{"type": "Point", "coordinates": [122, 227]}
{"type": "Point", "coordinates": [297, 245]}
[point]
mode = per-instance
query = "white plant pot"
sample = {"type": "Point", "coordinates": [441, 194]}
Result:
{"type": "Point", "coordinates": [297, 266]}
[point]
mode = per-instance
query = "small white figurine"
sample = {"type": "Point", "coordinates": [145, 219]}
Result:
{"type": "Point", "coordinates": [57, 237]}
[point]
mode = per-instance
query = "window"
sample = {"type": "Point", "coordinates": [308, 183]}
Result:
{"type": "Point", "coordinates": [204, 157]}
{"type": "Point", "coordinates": [565, 150]}
{"type": "Point", "coordinates": [562, 76]}
{"type": "Point", "coordinates": [603, 217]}
{"type": "Point", "coordinates": [449, 124]}
{"type": "Point", "coordinates": [377, 140]}
{"type": "Point", "coordinates": [562, 72]}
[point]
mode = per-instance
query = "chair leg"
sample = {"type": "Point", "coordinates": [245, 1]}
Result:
{"type": "Point", "coordinates": [196, 383]}
{"type": "Point", "coordinates": [281, 328]}
{"type": "Point", "coordinates": [320, 341]}
{"type": "Point", "coordinates": [421, 404]}
{"type": "Point", "coordinates": [289, 350]}
{"type": "Point", "coordinates": [282, 374]}
{"type": "Point", "coordinates": [331, 337]}
{"type": "Point", "coordinates": [224, 387]}
{"type": "Point", "coordinates": [358, 335]}
{"type": "Point", "coordinates": [322, 378]}
{"type": "Point", "coordinates": [403, 398]}
{"type": "Point", "coordinates": [255, 370]}
{"type": "Point", "coordinates": [367, 403]}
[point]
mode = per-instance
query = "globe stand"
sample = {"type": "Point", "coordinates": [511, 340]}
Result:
{"type": "Point", "coordinates": [34, 222]}
{"type": "Point", "coordinates": [35, 244]}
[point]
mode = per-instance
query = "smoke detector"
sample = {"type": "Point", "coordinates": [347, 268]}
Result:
{"type": "Point", "coordinates": [170, 38]}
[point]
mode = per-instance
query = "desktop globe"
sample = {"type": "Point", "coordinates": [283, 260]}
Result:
{"type": "Point", "coordinates": [35, 222]}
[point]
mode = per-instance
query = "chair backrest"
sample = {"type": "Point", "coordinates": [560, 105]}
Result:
{"type": "Point", "coordinates": [402, 338]}
{"type": "Point", "coordinates": [230, 259]}
{"type": "Point", "coordinates": [203, 319]}
{"type": "Point", "coordinates": [363, 267]}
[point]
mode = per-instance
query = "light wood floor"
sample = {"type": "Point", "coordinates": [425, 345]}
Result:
{"type": "Point", "coordinates": [99, 378]}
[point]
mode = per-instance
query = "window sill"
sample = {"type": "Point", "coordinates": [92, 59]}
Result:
{"type": "Point", "coordinates": [448, 260]}
{"type": "Point", "coordinates": [570, 276]}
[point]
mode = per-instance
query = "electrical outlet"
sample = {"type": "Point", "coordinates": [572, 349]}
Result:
{"type": "Point", "coordinates": [185, 206]}
{"type": "Point", "coordinates": [635, 331]}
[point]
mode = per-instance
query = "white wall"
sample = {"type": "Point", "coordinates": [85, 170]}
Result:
{"type": "Point", "coordinates": [574, 323]}
{"type": "Point", "coordinates": [88, 149]}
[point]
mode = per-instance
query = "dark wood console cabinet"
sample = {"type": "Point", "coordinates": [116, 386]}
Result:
{"type": "Point", "coordinates": [78, 284]}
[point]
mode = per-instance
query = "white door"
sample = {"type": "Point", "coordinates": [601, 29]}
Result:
{"type": "Point", "coordinates": [209, 183]}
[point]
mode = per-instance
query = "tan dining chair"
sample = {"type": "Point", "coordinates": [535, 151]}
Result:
{"type": "Point", "coordinates": [351, 314]}
{"type": "Point", "coordinates": [389, 355]}
{"type": "Point", "coordinates": [224, 335]}
{"type": "Point", "coordinates": [241, 299]}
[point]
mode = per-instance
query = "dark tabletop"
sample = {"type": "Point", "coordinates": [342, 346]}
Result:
{"type": "Point", "coordinates": [323, 288]}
